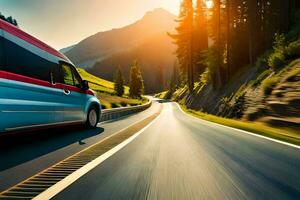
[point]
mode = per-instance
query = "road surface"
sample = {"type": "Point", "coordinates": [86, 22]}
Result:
{"type": "Point", "coordinates": [176, 157]}
{"type": "Point", "coordinates": [180, 157]}
{"type": "Point", "coordinates": [24, 155]}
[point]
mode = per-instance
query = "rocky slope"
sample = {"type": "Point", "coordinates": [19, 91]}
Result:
{"type": "Point", "coordinates": [244, 97]}
{"type": "Point", "coordinates": [282, 107]}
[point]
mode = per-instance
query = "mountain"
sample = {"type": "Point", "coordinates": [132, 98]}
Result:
{"type": "Point", "coordinates": [155, 57]}
{"type": "Point", "coordinates": [103, 44]}
{"type": "Point", "coordinates": [66, 49]}
{"type": "Point", "coordinates": [145, 40]}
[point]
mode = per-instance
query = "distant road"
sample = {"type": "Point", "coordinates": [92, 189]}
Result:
{"type": "Point", "coordinates": [180, 157]}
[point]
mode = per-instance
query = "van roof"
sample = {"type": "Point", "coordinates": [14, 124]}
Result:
{"type": "Point", "coordinates": [30, 39]}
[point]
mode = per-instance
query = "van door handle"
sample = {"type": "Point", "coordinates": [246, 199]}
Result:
{"type": "Point", "coordinates": [66, 92]}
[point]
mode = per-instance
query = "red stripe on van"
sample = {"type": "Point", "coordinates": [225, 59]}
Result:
{"type": "Point", "coordinates": [25, 79]}
{"type": "Point", "coordinates": [28, 38]}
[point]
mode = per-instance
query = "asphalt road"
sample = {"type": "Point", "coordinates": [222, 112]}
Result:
{"type": "Point", "coordinates": [180, 157]}
{"type": "Point", "coordinates": [25, 154]}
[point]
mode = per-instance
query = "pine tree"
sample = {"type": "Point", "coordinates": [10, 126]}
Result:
{"type": "Point", "coordinates": [216, 27]}
{"type": "Point", "coordinates": [15, 22]}
{"type": "Point", "coordinates": [200, 37]}
{"type": "Point", "coordinates": [252, 30]}
{"type": "Point", "coordinates": [119, 83]}
{"type": "Point", "coordinates": [2, 16]}
{"type": "Point", "coordinates": [228, 37]}
{"type": "Point", "coordinates": [184, 41]}
{"type": "Point", "coordinates": [241, 30]}
{"type": "Point", "coordinates": [174, 83]}
{"type": "Point", "coordinates": [136, 81]}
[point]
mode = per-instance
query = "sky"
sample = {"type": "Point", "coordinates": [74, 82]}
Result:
{"type": "Point", "coordinates": [61, 23]}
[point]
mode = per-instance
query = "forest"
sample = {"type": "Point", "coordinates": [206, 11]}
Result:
{"type": "Point", "coordinates": [215, 38]}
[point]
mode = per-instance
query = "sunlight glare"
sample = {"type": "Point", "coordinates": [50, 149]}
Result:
{"type": "Point", "coordinates": [209, 4]}
{"type": "Point", "coordinates": [172, 5]}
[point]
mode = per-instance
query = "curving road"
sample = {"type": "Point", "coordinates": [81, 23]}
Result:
{"type": "Point", "coordinates": [180, 157]}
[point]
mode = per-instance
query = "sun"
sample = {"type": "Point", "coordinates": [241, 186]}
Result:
{"type": "Point", "coordinates": [171, 5]}
{"type": "Point", "coordinates": [209, 4]}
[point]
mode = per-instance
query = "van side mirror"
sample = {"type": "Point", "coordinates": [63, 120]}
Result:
{"type": "Point", "coordinates": [85, 85]}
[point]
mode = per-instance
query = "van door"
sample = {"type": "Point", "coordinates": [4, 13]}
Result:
{"type": "Point", "coordinates": [74, 96]}
{"type": "Point", "coordinates": [27, 97]}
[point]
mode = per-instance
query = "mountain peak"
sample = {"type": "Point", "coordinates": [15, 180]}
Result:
{"type": "Point", "coordinates": [158, 12]}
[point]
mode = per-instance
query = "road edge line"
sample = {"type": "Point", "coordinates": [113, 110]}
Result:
{"type": "Point", "coordinates": [240, 130]}
{"type": "Point", "coordinates": [63, 184]}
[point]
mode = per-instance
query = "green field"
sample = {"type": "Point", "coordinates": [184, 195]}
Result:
{"type": "Point", "coordinates": [100, 85]}
{"type": "Point", "coordinates": [106, 94]}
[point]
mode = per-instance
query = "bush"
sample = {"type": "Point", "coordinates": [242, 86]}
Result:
{"type": "Point", "coordinates": [205, 77]}
{"type": "Point", "coordinates": [269, 84]}
{"type": "Point", "coordinates": [262, 61]}
{"type": "Point", "coordinates": [115, 105]}
{"type": "Point", "coordinates": [293, 49]}
{"type": "Point", "coordinates": [260, 78]}
{"type": "Point", "coordinates": [123, 104]}
{"type": "Point", "coordinates": [277, 60]}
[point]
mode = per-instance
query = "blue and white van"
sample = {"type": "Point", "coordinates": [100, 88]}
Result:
{"type": "Point", "coordinates": [39, 86]}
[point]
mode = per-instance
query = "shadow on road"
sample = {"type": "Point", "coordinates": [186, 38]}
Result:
{"type": "Point", "coordinates": [163, 101]}
{"type": "Point", "coordinates": [22, 147]}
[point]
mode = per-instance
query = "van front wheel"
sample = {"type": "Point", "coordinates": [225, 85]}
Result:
{"type": "Point", "coordinates": [92, 118]}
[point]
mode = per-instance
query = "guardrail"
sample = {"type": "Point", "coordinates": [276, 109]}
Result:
{"type": "Point", "coordinates": [115, 113]}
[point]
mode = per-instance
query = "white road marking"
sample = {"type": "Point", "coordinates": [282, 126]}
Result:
{"type": "Point", "coordinates": [61, 185]}
{"type": "Point", "coordinates": [246, 132]}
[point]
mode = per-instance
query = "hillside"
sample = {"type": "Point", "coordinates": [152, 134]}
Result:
{"type": "Point", "coordinates": [260, 101]}
{"type": "Point", "coordinates": [100, 85]}
{"type": "Point", "coordinates": [264, 98]}
{"type": "Point", "coordinates": [245, 98]}
{"type": "Point", "coordinates": [65, 50]}
{"type": "Point", "coordinates": [154, 63]}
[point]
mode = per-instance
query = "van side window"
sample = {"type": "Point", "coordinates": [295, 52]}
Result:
{"type": "Point", "coordinates": [55, 74]}
{"type": "Point", "coordinates": [70, 75]}
{"type": "Point", "coordinates": [77, 78]}
{"type": "Point", "coordinates": [67, 75]}
{"type": "Point", "coordinates": [21, 61]}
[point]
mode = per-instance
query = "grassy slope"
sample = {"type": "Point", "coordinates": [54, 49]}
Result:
{"type": "Point", "coordinates": [105, 92]}
{"type": "Point", "coordinates": [102, 85]}
{"type": "Point", "coordinates": [286, 135]}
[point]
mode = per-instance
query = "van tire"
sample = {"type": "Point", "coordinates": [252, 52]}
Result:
{"type": "Point", "coordinates": [92, 118]}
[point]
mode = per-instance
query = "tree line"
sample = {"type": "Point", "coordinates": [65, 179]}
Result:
{"type": "Point", "coordinates": [136, 82]}
{"type": "Point", "coordinates": [9, 19]}
{"type": "Point", "coordinates": [220, 36]}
